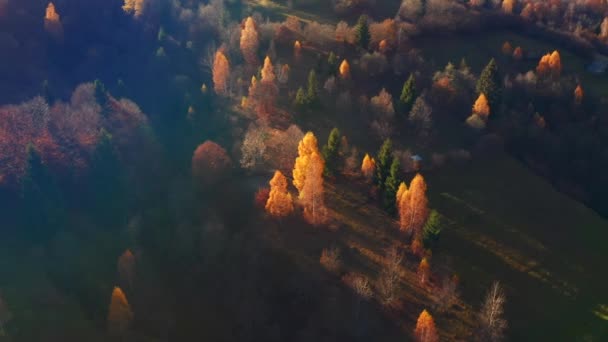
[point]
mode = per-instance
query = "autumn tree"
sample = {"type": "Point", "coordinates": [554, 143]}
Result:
{"type": "Point", "coordinates": [331, 151]}
{"type": "Point", "coordinates": [518, 53]}
{"type": "Point", "coordinates": [508, 5]}
{"type": "Point", "coordinates": [263, 94]}
{"type": "Point", "coordinates": [250, 41]}
{"type": "Point", "coordinates": [126, 269]}
{"type": "Point", "coordinates": [119, 313]}
{"type": "Point", "coordinates": [401, 191]}
{"type": "Point", "coordinates": [297, 49]}
{"type": "Point", "coordinates": [481, 112]}
{"type": "Point", "coordinates": [384, 114]}
{"type": "Point", "coordinates": [424, 271]}
{"type": "Point", "coordinates": [311, 197]}
{"type": "Point", "coordinates": [52, 22]}
{"type": "Point", "coordinates": [362, 34]}
{"type": "Point", "coordinates": [135, 7]}
{"type": "Point", "coordinates": [384, 161]}
{"type": "Point", "coordinates": [414, 210]}
{"type": "Point", "coordinates": [221, 73]}
{"type": "Point", "coordinates": [420, 117]}
{"type": "Point", "coordinates": [209, 162]}
{"type": "Point", "coordinates": [408, 94]}
{"type": "Point", "coordinates": [490, 83]}
{"type": "Point", "coordinates": [279, 203]}
{"type": "Point", "coordinates": [368, 167]}
{"type": "Point", "coordinates": [507, 49]}
{"type": "Point", "coordinates": [550, 65]}
{"type": "Point", "coordinates": [389, 278]}
{"type": "Point", "coordinates": [307, 146]}
{"type": "Point", "coordinates": [579, 94]}
{"type": "Point", "coordinates": [344, 70]}
{"type": "Point", "coordinates": [425, 328]}
{"type": "Point", "coordinates": [492, 323]}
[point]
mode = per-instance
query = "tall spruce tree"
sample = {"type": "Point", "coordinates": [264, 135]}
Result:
{"type": "Point", "coordinates": [330, 152]}
{"type": "Point", "coordinates": [408, 94]}
{"type": "Point", "coordinates": [312, 92]}
{"type": "Point", "coordinates": [489, 83]}
{"type": "Point", "coordinates": [362, 35]}
{"type": "Point", "coordinates": [391, 185]}
{"type": "Point", "coordinates": [383, 163]}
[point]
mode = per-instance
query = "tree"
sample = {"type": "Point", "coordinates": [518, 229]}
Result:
{"type": "Point", "coordinates": [279, 203]}
{"type": "Point", "coordinates": [489, 83]}
{"type": "Point", "coordinates": [400, 194]}
{"type": "Point", "coordinates": [126, 269]}
{"type": "Point", "coordinates": [507, 6]}
{"type": "Point", "coordinates": [221, 73]}
{"type": "Point", "coordinates": [424, 271]}
{"type": "Point", "coordinates": [425, 328]}
{"type": "Point", "coordinates": [492, 323]}
{"type": "Point", "coordinates": [330, 152]}
{"type": "Point", "coordinates": [431, 229]}
{"type": "Point", "coordinates": [301, 99]}
{"type": "Point", "coordinates": [604, 29]}
{"type": "Point", "coordinates": [384, 114]}
{"type": "Point", "coordinates": [368, 167]}
{"type": "Point", "coordinates": [306, 147]}
{"type": "Point", "coordinates": [550, 65]}
{"type": "Point", "coordinates": [362, 35]}
{"type": "Point", "coordinates": [421, 116]}
{"type": "Point", "coordinates": [312, 91]}
{"type": "Point", "coordinates": [311, 196]}
{"type": "Point", "coordinates": [391, 186]}
{"type": "Point", "coordinates": [210, 162]}
{"type": "Point", "coordinates": [344, 70]}
{"type": "Point", "coordinates": [408, 94]}
{"type": "Point", "coordinates": [52, 22]}
{"type": "Point", "coordinates": [507, 49]}
{"type": "Point", "coordinates": [481, 106]}
{"type": "Point", "coordinates": [555, 63]}
{"type": "Point", "coordinates": [250, 41]}
{"type": "Point", "coordinates": [332, 62]}
{"type": "Point", "coordinates": [263, 94]}
{"type": "Point", "coordinates": [297, 49]}
{"type": "Point", "coordinates": [119, 313]}
{"type": "Point", "coordinates": [385, 159]}
{"type": "Point", "coordinates": [414, 209]}
{"type": "Point", "coordinates": [518, 53]}
{"type": "Point", "coordinates": [579, 94]}
{"type": "Point", "coordinates": [330, 259]}
{"type": "Point", "coordinates": [135, 7]}
{"type": "Point", "coordinates": [388, 282]}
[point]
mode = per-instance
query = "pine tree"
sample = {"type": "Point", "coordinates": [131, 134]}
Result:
{"type": "Point", "coordinates": [408, 94]}
{"type": "Point", "coordinates": [431, 229]}
{"type": "Point", "coordinates": [391, 186]}
{"type": "Point", "coordinates": [362, 35]}
{"type": "Point", "coordinates": [489, 83]}
{"type": "Point", "coordinates": [300, 100]}
{"type": "Point", "coordinates": [384, 161]}
{"type": "Point", "coordinates": [279, 203]}
{"type": "Point", "coordinates": [312, 92]}
{"type": "Point", "coordinates": [330, 152]}
{"type": "Point", "coordinates": [332, 62]}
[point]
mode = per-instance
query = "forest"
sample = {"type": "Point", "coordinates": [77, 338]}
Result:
{"type": "Point", "coordinates": [303, 170]}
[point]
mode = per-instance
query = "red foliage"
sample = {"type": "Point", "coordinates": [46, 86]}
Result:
{"type": "Point", "coordinates": [261, 197]}
{"type": "Point", "coordinates": [209, 162]}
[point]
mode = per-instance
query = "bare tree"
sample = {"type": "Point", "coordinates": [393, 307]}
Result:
{"type": "Point", "coordinates": [491, 317]}
{"type": "Point", "coordinates": [447, 294]}
{"type": "Point", "coordinates": [388, 283]}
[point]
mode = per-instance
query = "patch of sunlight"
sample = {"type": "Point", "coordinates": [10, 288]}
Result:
{"type": "Point", "coordinates": [601, 311]}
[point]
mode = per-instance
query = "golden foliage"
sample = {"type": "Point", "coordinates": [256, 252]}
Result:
{"type": "Point", "coordinates": [481, 106]}
{"type": "Point", "coordinates": [424, 270]}
{"type": "Point", "coordinates": [550, 64]}
{"type": "Point", "coordinates": [119, 313]}
{"type": "Point", "coordinates": [413, 206]}
{"type": "Point", "coordinates": [401, 193]}
{"type": "Point", "coordinates": [306, 147]}
{"type": "Point", "coordinates": [508, 5]}
{"type": "Point", "coordinates": [52, 22]}
{"type": "Point", "coordinates": [268, 71]}
{"type": "Point", "coordinates": [345, 69]}
{"type": "Point", "coordinates": [51, 13]}
{"type": "Point", "coordinates": [368, 167]}
{"type": "Point", "coordinates": [579, 94]}
{"type": "Point", "coordinates": [249, 42]}
{"type": "Point", "coordinates": [425, 328]}
{"type": "Point", "coordinates": [311, 196]}
{"type": "Point", "coordinates": [135, 7]}
{"type": "Point", "coordinates": [221, 72]}
{"type": "Point", "coordinates": [279, 203]}
{"type": "Point", "coordinates": [297, 49]}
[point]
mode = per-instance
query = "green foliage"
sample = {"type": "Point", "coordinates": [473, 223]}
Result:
{"type": "Point", "coordinates": [43, 205]}
{"type": "Point", "coordinates": [489, 83]}
{"type": "Point", "coordinates": [162, 35]}
{"type": "Point", "coordinates": [330, 152]}
{"type": "Point", "coordinates": [301, 99]}
{"type": "Point", "coordinates": [408, 94]}
{"type": "Point", "coordinates": [391, 186]}
{"type": "Point", "coordinates": [362, 35]}
{"type": "Point", "coordinates": [312, 92]}
{"type": "Point", "coordinates": [332, 61]}
{"type": "Point", "coordinates": [431, 229]}
{"type": "Point", "coordinates": [383, 162]}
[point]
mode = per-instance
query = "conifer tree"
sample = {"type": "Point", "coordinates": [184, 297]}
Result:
{"type": "Point", "coordinates": [384, 161]}
{"type": "Point", "coordinates": [332, 62]}
{"type": "Point", "coordinates": [489, 83]}
{"type": "Point", "coordinates": [391, 186]}
{"type": "Point", "coordinates": [312, 92]}
{"type": "Point", "coordinates": [400, 194]}
{"type": "Point", "coordinates": [362, 34]}
{"type": "Point", "coordinates": [300, 100]}
{"type": "Point", "coordinates": [330, 152]}
{"type": "Point", "coordinates": [424, 270]}
{"type": "Point", "coordinates": [408, 94]}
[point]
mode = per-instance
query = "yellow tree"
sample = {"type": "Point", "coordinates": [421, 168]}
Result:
{"type": "Point", "coordinates": [279, 203]}
{"type": "Point", "coordinates": [413, 206]}
{"type": "Point", "coordinates": [425, 328]}
{"type": "Point", "coordinates": [52, 22]}
{"type": "Point", "coordinates": [508, 5]}
{"type": "Point", "coordinates": [135, 7]}
{"type": "Point", "coordinates": [119, 313]}
{"type": "Point", "coordinates": [297, 49]}
{"type": "Point", "coordinates": [401, 193]}
{"type": "Point", "coordinates": [307, 146]}
{"type": "Point", "coordinates": [311, 196]}
{"type": "Point", "coordinates": [555, 63]}
{"type": "Point", "coordinates": [250, 41]}
{"type": "Point", "coordinates": [481, 106]}
{"type": "Point", "coordinates": [221, 72]}
{"type": "Point", "coordinates": [424, 271]}
{"type": "Point", "coordinates": [368, 167]}
{"type": "Point", "coordinates": [579, 94]}
{"type": "Point", "coordinates": [345, 69]}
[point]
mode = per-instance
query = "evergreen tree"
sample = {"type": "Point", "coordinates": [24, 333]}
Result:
{"type": "Point", "coordinates": [408, 94]}
{"type": "Point", "coordinates": [108, 183]}
{"type": "Point", "coordinates": [431, 229]}
{"type": "Point", "coordinates": [362, 35]}
{"type": "Point", "coordinates": [301, 99]}
{"type": "Point", "coordinates": [330, 152]}
{"type": "Point", "coordinates": [489, 83]}
{"type": "Point", "coordinates": [391, 186]}
{"type": "Point", "coordinates": [312, 93]}
{"type": "Point", "coordinates": [384, 160]}
{"type": "Point", "coordinates": [332, 61]}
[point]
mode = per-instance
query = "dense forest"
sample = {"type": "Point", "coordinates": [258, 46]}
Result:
{"type": "Point", "coordinates": [296, 170]}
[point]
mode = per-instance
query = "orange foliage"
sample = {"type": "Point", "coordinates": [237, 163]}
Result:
{"type": "Point", "coordinates": [250, 41]}
{"type": "Point", "coordinates": [345, 69]}
{"type": "Point", "coordinates": [209, 162]}
{"type": "Point", "coordinates": [311, 196]}
{"type": "Point", "coordinates": [261, 197]}
{"type": "Point", "coordinates": [368, 167]}
{"type": "Point", "coordinates": [221, 72]}
{"type": "Point", "coordinates": [307, 146]}
{"type": "Point", "coordinates": [280, 203]}
{"type": "Point", "coordinates": [481, 106]}
{"type": "Point", "coordinates": [383, 46]}
{"type": "Point", "coordinates": [518, 53]}
{"type": "Point", "coordinates": [413, 206]}
{"type": "Point", "coordinates": [424, 271]}
{"type": "Point", "coordinates": [119, 313]}
{"type": "Point", "coordinates": [507, 49]}
{"type": "Point", "coordinates": [555, 62]}
{"type": "Point", "coordinates": [268, 71]}
{"type": "Point", "coordinates": [297, 49]}
{"type": "Point", "coordinates": [508, 5]}
{"type": "Point", "coordinates": [417, 246]}
{"type": "Point", "coordinates": [401, 193]}
{"type": "Point", "coordinates": [425, 328]}
{"type": "Point", "coordinates": [263, 94]}
{"type": "Point", "coordinates": [385, 30]}
{"type": "Point", "coordinates": [135, 7]}
{"type": "Point", "coordinates": [550, 64]}
{"type": "Point", "coordinates": [126, 268]}
{"type": "Point", "coordinates": [579, 94]}
{"type": "Point", "coordinates": [52, 22]}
